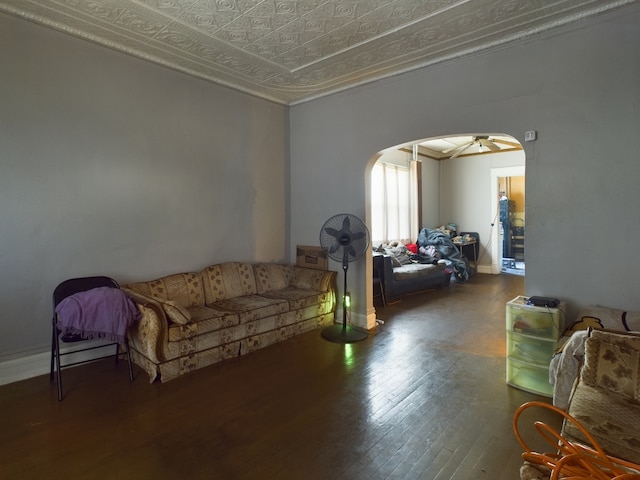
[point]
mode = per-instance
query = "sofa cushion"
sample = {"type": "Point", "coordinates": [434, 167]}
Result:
{"type": "Point", "coordinates": [185, 289]}
{"type": "Point", "coordinates": [299, 298]}
{"type": "Point", "coordinates": [311, 279]}
{"type": "Point", "coordinates": [203, 320]}
{"type": "Point", "coordinates": [251, 307]}
{"type": "Point", "coordinates": [228, 280]}
{"type": "Point", "coordinates": [415, 270]}
{"type": "Point", "coordinates": [271, 276]}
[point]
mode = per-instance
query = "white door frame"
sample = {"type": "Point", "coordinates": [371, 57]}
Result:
{"type": "Point", "coordinates": [496, 247]}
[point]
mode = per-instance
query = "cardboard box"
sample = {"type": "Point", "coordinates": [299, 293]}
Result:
{"type": "Point", "coordinates": [311, 257]}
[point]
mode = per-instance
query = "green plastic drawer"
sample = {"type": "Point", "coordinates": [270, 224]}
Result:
{"type": "Point", "coordinates": [530, 349]}
{"type": "Point", "coordinates": [539, 321]}
{"type": "Point", "coordinates": [530, 377]}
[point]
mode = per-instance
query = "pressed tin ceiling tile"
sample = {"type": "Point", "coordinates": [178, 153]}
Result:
{"type": "Point", "coordinates": [289, 51]}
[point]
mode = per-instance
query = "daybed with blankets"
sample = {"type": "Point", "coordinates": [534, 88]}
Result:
{"type": "Point", "coordinates": [194, 319]}
{"type": "Point", "coordinates": [400, 279]}
{"type": "Point", "coordinates": [429, 263]}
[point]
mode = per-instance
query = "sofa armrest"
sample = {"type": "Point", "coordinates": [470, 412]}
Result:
{"type": "Point", "coordinates": [385, 263]}
{"type": "Point", "coordinates": [150, 335]}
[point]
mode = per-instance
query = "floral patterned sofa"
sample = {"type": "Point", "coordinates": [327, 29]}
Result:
{"type": "Point", "coordinates": [195, 319]}
{"type": "Point", "coordinates": [605, 399]}
{"type": "Point", "coordinates": [565, 364]}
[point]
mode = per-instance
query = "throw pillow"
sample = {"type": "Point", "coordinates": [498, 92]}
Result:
{"type": "Point", "coordinates": [176, 313]}
{"type": "Point", "coordinates": [310, 279]}
{"type": "Point", "coordinates": [613, 363]}
{"type": "Point", "coordinates": [271, 276]}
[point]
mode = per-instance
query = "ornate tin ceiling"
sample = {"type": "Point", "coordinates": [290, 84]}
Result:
{"type": "Point", "coordinates": [290, 51]}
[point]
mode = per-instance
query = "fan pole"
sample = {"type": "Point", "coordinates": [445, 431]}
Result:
{"type": "Point", "coordinates": [343, 333]}
{"type": "Point", "coordinates": [345, 266]}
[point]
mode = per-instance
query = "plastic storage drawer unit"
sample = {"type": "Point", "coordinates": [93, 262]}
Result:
{"type": "Point", "coordinates": [532, 335]}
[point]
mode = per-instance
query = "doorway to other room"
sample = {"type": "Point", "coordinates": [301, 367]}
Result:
{"type": "Point", "coordinates": [509, 224]}
{"type": "Point", "coordinates": [449, 184]}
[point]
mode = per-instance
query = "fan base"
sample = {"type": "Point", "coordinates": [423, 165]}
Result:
{"type": "Point", "coordinates": [342, 334]}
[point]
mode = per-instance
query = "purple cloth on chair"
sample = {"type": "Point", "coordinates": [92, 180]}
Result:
{"type": "Point", "coordinates": [102, 312]}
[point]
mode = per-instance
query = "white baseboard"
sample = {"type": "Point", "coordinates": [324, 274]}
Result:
{"type": "Point", "coordinates": [25, 367]}
{"type": "Point", "coordinates": [372, 321]}
{"type": "Point", "coordinates": [35, 364]}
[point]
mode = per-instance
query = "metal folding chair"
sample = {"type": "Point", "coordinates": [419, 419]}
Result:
{"type": "Point", "coordinates": [62, 291]}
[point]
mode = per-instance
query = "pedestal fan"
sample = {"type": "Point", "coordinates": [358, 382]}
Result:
{"type": "Point", "coordinates": [344, 238]}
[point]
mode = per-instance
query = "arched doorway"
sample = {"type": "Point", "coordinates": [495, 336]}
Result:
{"type": "Point", "coordinates": [458, 190]}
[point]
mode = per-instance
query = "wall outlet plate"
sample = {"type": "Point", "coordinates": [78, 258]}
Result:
{"type": "Point", "coordinates": [529, 135]}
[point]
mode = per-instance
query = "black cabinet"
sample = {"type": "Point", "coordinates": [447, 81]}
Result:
{"type": "Point", "coordinates": [517, 243]}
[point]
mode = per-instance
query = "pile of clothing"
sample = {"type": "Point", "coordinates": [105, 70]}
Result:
{"type": "Point", "coordinates": [434, 242]}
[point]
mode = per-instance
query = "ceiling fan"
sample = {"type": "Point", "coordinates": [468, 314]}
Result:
{"type": "Point", "coordinates": [479, 140]}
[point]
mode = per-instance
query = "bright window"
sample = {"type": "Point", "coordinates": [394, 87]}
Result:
{"type": "Point", "coordinates": [391, 211]}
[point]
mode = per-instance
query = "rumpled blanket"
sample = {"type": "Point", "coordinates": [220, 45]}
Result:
{"type": "Point", "coordinates": [102, 312]}
{"type": "Point", "coordinates": [448, 250]}
{"type": "Point", "coordinates": [565, 367]}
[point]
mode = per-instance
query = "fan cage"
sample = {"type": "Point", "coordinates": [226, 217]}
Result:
{"type": "Point", "coordinates": [344, 237]}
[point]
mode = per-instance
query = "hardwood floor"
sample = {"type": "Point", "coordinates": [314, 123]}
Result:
{"type": "Point", "coordinates": [423, 398]}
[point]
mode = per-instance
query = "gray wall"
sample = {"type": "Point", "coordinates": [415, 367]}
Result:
{"type": "Point", "coordinates": [578, 86]}
{"type": "Point", "coordinates": [111, 165]}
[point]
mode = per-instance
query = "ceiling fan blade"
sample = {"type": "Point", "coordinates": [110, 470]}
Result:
{"type": "Point", "coordinates": [460, 151]}
{"type": "Point", "coordinates": [462, 147]}
{"type": "Point", "coordinates": [505, 142]}
{"type": "Point", "coordinates": [485, 142]}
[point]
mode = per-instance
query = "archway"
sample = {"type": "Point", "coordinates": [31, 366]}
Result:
{"type": "Point", "coordinates": [460, 190]}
